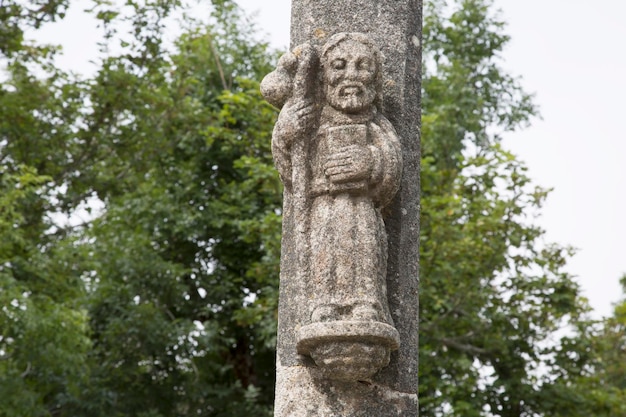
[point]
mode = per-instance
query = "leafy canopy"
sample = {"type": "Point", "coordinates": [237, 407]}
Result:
{"type": "Point", "coordinates": [140, 215]}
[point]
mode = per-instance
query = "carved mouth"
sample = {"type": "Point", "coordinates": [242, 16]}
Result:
{"type": "Point", "coordinates": [350, 90]}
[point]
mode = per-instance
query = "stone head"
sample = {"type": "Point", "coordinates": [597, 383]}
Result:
{"type": "Point", "coordinates": [352, 72]}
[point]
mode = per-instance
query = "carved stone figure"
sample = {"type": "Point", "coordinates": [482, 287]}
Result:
{"type": "Point", "coordinates": [340, 161]}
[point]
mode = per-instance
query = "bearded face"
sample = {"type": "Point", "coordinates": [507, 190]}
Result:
{"type": "Point", "coordinates": [349, 77]}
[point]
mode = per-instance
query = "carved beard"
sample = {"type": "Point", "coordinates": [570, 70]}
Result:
{"type": "Point", "coordinates": [350, 96]}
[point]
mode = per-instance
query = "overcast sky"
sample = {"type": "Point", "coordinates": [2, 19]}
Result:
{"type": "Point", "coordinates": [571, 54]}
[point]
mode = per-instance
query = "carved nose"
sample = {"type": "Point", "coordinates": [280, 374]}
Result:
{"type": "Point", "coordinates": [352, 71]}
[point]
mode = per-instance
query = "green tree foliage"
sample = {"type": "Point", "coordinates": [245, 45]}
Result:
{"type": "Point", "coordinates": [612, 363]}
{"type": "Point", "coordinates": [495, 298]}
{"type": "Point", "coordinates": [164, 303]}
{"type": "Point", "coordinates": [608, 371]}
{"type": "Point", "coordinates": [43, 327]}
{"type": "Point", "coordinates": [162, 300]}
{"type": "Point", "coordinates": [594, 357]}
{"type": "Point", "coordinates": [184, 256]}
{"type": "Point", "coordinates": [43, 339]}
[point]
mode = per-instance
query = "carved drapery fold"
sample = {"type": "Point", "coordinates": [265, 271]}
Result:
{"type": "Point", "coordinates": [341, 163]}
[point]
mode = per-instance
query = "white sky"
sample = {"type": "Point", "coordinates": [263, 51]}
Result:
{"type": "Point", "coordinates": [570, 53]}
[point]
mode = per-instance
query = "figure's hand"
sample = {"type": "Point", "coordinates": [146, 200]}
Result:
{"type": "Point", "coordinates": [295, 119]}
{"type": "Point", "coordinates": [351, 163]}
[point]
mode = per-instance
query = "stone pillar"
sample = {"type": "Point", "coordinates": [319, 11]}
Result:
{"type": "Point", "coordinates": [349, 348]}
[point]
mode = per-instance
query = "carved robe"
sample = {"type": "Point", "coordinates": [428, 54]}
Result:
{"type": "Point", "coordinates": [348, 242]}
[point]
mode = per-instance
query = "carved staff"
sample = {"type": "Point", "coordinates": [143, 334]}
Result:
{"type": "Point", "coordinates": [303, 98]}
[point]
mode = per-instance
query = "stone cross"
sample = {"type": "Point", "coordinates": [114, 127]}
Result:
{"type": "Point", "coordinates": [346, 145]}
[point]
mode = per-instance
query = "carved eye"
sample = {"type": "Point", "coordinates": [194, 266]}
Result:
{"type": "Point", "coordinates": [338, 64]}
{"type": "Point", "coordinates": [364, 64]}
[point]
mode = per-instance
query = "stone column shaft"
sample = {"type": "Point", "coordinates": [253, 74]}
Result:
{"type": "Point", "coordinates": [395, 26]}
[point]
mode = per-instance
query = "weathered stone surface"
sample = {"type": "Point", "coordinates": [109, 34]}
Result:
{"type": "Point", "coordinates": [346, 139]}
{"type": "Point", "coordinates": [347, 350]}
{"type": "Point", "coordinates": [304, 396]}
{"type": "Point", "coordinates": [350, 171]}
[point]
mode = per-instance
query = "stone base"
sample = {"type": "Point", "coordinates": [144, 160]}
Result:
{"type": "Point", "coordinates": [348, 350]}
{"type": "Point", "coordinates": [300, 394]}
